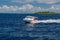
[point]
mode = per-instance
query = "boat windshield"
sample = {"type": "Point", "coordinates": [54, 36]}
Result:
{"type": "Point", "coordinates": [31, 17]}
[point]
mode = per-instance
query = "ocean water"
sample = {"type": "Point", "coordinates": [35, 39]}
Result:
{"type": "Point", "coordinates": [12, 27]}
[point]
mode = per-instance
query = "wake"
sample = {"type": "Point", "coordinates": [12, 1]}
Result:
{"type": "Point", "coordinates": [49, 21]}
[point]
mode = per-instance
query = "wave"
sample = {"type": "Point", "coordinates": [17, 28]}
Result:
{"type": "Point", "coordinates": [49, 21]}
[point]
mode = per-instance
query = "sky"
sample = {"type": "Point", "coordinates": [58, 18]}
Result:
{"type": "Point", "coordinates": [29, 6]}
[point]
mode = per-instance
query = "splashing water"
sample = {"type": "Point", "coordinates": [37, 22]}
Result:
{"type": "Point", "coordinates": [49, 21]}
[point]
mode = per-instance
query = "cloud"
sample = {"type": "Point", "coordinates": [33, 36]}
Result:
{"type": "Point", "coordinates": [55, 7]}
{"type": "Point", "coordinates": [39, 1]}
{"type": "Point", "coordinates": [22, 1]}
{"type": "Point", "coordinates": [48, 1]}
{"type": "Point", "coordinates": [6, 8]}
{"type": "Point", "coordinates": [28, 8]}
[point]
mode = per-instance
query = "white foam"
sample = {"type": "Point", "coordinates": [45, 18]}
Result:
{"type": "Point", "coordinates": [49, 21]}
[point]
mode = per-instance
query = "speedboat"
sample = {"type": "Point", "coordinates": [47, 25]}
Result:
{"type": "Point", "coordinates": [34, 20]}
{"type": "Point", "coordinates": [30, 19]}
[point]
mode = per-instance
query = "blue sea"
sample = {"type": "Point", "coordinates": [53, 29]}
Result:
{"type": "Point", "coordinates": [12, 27]}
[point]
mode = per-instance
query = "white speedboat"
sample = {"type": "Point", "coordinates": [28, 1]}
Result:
{"type": "Point", "coordinates": [30, 19]}
{"type": "Point", "coordinates": [34, 20]}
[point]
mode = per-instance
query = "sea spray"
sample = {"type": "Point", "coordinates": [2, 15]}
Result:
{"type": "Point", "coordinates": [49, 21]}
